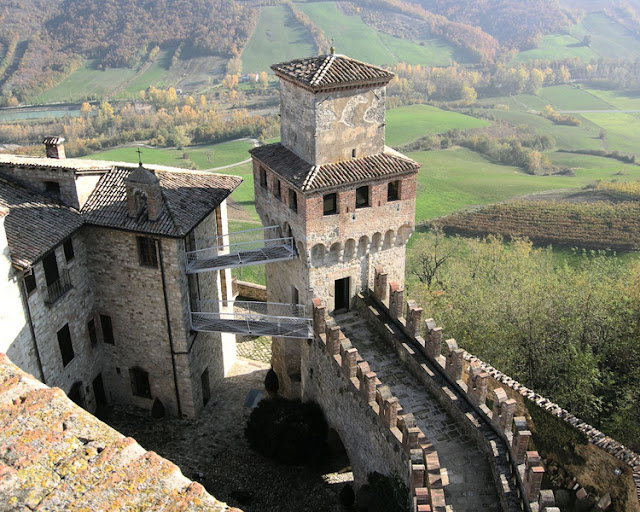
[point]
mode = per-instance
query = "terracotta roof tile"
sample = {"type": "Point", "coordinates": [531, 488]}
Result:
{"type": "Point", "coordinates": [331, 71]}
{"type": "Point", "coordinates": [35, 224]}
{"type": "Point", "coordinates": [305, 177]}
{"type": "Point", "coordinates": [188, 198]}
{"type": "Point", "coordinates": [55, 456]}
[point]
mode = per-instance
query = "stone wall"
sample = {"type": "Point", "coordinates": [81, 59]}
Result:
{"type": "Point", "coordinates": [250, 291]}
{"type": "Point", "coordinates": [326, 127]}
{"type": "Point", "coordinates": [368, 419]}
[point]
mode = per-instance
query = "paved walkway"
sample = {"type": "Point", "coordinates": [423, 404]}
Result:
{"type": "Point", "coordinates": [471, 487]}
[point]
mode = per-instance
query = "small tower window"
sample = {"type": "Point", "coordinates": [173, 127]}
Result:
{"type": "Point", "coordinates": [353, 153]}
{"type": "Point", "coordinates": [30, 282]}
{"type": "Point", "coordinates": [93, 334]}
{"type": "Point", "coordinates": [66, 347]}
{"type": "Point", "coordinates": [68, 250]}
{"type": "Point", "coordinates": [393, 191]}
{"type": "Point", "coordinates": [277, 189]}
{"type": "Point", "coordinates": [147, 252]}
{"type": "Point", "coordinates": [293, 200]}
{"type": "Point", "coordinates": [330, 206]}
{"type": "Point", "coordinates": [107, 329]}
{"type": "Point", "coordinates": [362, 197]}
{"type": "Point", "coordinates": [263, 177]}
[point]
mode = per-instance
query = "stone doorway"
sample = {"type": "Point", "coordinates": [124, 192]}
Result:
{"type": "Point", "coordinates": [342, 294]}
{"type": "Point", "coordinates": [98, 391]}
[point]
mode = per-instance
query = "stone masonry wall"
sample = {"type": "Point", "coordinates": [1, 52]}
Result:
{"type": "Point", "coordinates": [75, 308]}
{"type": "Point", "coordinates": [369, 420]}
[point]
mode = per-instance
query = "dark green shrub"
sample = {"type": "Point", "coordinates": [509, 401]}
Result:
{"type": "Point", "coordinates": [288, 431]}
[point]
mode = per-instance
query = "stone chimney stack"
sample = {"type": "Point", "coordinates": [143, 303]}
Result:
{"type": "Point", "coordinates": [55, 147]}
{"type": "Point", "coordinates": [144, 194]}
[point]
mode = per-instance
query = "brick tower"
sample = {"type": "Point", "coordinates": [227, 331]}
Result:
{"type": "Point", "coordinates": [332, 184]}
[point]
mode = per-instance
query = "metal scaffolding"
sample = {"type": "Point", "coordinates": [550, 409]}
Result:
{"type": "Point", "coordinates": [240, 249]}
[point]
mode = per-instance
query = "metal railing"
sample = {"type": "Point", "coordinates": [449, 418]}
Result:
{"type": "Point", "coordinates": [252, 318]}
{"type": "Point", "coordinates": [241, 248]}
{"type": "Point", "coordinates": [59, 287]}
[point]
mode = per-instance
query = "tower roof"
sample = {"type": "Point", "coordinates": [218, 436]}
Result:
{"type": "Point", "coordinates": [331, 72]}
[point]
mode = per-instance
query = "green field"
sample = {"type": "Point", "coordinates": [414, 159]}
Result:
{"type": "Point", "coordinates": [610, 39]}
{"type": "Point", "coordinates": [458, 178]}
{"type": "Point", "coordinates": [430, 52]}
{"type": "Point", "coordinates": [199, 157]}
{"type": "Point", "coordinates": [557, 46]}
{"type": "Point", "coordinates": [622, 130]}
{"type": "Point", "coordinates": [155, 74]}
{"type": "Point", "coordinates": [278, 37]}
{"type": "Point", "coordinates": [406, 124]}
{"type": "Point", "coordinates": [87, 82]}
{"type": "Point", "coordinates": [623, 100]}
{"type": "Point", "coordinates": [566, 97]}
{"type": "Point", "coordinates": [243, 195]}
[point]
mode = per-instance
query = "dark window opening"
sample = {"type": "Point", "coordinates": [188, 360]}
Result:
{"type": "Point", "coordinates": [263, 177]}
{"type": "Point", "coordinates": [330, 204]}
{"type": "Point", "coordinates": [393, 191]}
{"type": "Point", "coordinates": [293, 200]}
{"type": "Point", "coordinates": [107, 329]}
{"type": "Point", "coordinates": [276, 189]}
{"type": "Point", "coordinates": [342, 294]}
{"type": "Point", "coordinates": [52, 189]}
{"type": "Point", "coordinates": [93, 334]}
{"type": "Point", "coordinates": [50, 264]}
{"type": "Point", "coordinates": [64, 342]}
{"type": "Point", "coordinates": [147, 252]}
{"type": "Point", "coordinates": [68, 250]}
{"type": "Point", "coordinates": [30, 282]}
{"type": "Point", "coordinates": [362, 197]}
{"type": "Point", "coordinates": [206, 388]}
{"type": "Point", "coordinates": [98, 391]}
{"type": "Point", "coordinates": [353, 153]}
{"type": "Point", "coordinates": [75, 394]}
{"type": "Point", "coordinates": [140, 382]}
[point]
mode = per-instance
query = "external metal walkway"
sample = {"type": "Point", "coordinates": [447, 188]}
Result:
{"type": "Point", "coordinates": [240, 249]}
{"type": "Point", "coordinates": [252, 319]}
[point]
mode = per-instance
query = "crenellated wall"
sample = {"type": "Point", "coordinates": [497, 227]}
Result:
{"type": "Point", "coordinates": [369, 420]}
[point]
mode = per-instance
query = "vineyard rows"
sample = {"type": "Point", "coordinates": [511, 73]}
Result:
{"type": "Point", "coordinates": [586, 225]}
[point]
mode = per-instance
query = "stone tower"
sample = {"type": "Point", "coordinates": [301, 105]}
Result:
{"type": "Point", "coordinates": [332, 184]}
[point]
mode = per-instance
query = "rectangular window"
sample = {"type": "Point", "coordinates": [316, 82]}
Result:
{"type": "Point", "coordinates": [68, 250]}
{"type": "Point", "coordinates": [93, 334]}
{"type": "Point", "coordinates": [140, 382]}
{"type": "Point", "coordinates": [147, 252]}
{"type": "Point", "coordinates": [52, 189]}
{"type": "Point", "coordinates": [30, 282]}
{"type": "Point", "coordinates": [50, 264]}
{"type": "Point", "coordinates": [276, 189]}
{"type": "Point", "coordinates": [107, 329]}
{"type": "Point", "coordinates": [206, 388]}
{"type": "Point", "coordinates": [330, 204]}
{"type": "Point", "coordinates": [393, 191]}
{"type": "Point", "coordinates": [362, 197]}
{"type": "Point", "coordinates": [293, 200]}
{"type": "Point", "coordinates": [64, 342]}
{"type": "Point", "coordinates": [353, 153]}
{"type": "Point", "coordinates": [263, 177]}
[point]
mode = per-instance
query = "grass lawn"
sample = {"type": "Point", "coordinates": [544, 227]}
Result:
{"type": "Point", "coordinates": [567, 137]}
{"type": "Point", "coordinates": [622, 130]}
{"type": "Point", "coordinates": [87, 82]}
{"type": "Point", "coordinates": [158, 156]}
{"type": "Point", "coordinates": [217, 155]}
{"type": "Point", "coordinates": [558, 46]}
{"type": "Point", "coordinates": [278, 37]}
{"type": "Point", "coordinates": [254, 273]}
{"type": "Point", "coordinates": [406, 124]}
{"type": "Point", "coordinates": [430, 52]}
{"type": "Point", "coordinates": [155, 74]}
{"type": "Point", "coordinates": [622, 100]}
{"type": "Point", "coordinates": [243, 196]}
{"type": "Point", "coordinates": [609, 38]}
{"type": "Point", "coordinates": [566, 97]}
{"type": "Point", "coordinates": [351, 35]}
{"type": "Point", "coordinates": [458, 178]}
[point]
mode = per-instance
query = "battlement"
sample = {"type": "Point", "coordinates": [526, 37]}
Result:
{"type": "Point", "coordinates": [422, 473]}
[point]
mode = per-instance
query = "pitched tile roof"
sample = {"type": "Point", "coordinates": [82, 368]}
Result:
{"type": "Point", "coordinates": [34, 224]}
{"type": "Point", "coordinates": [305, 176]}
{"type": "Point", "coordinates": [56, 456]}
{"type": "Point", "coordinates": [189, 197]}
{"type": "Point", "coordinates": [331, 71]}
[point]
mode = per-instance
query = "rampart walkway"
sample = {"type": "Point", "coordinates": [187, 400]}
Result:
{"type": "Point", "coordinates": [471, 486]}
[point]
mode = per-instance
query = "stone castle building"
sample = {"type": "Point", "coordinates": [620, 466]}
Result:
{"type": "Point", "coordinates": [96, 293]}
{"type": "Point", "coordinates": [331, 183]}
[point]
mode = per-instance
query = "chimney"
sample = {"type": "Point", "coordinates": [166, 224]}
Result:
{"type": "Point", "coordinates": [144, 194]}
{"type": "Point", "coordinates": [55, 147]}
